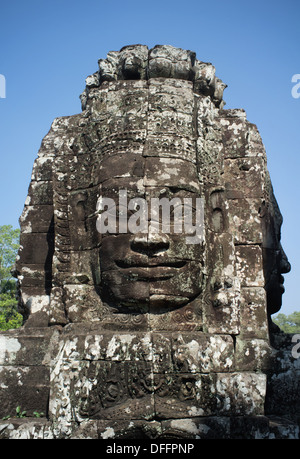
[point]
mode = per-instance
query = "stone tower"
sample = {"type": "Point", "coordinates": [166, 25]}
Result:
{"type": "Point", "coordinates": [149, 267]}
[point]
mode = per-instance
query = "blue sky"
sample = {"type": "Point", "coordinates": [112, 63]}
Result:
{"type": "Point", "coordinates": [49, 48]}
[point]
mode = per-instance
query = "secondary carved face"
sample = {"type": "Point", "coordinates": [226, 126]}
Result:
{"type": "Point", "coordinates": [149, 259]}
{"type": "Point", "coordinates": [274, 258]}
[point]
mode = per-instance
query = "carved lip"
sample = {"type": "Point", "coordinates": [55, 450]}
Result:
{"type": "Point", "coordinates": [151, 270]}
{"type": "Point", "coordinates": [151, 263]}
{"type": "Point", "coordinates": [281, 282]}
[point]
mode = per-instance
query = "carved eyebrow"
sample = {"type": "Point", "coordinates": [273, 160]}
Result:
{"type": "Point", "coordinates": [186, 187]}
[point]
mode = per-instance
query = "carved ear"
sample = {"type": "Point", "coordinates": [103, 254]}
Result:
{"type": "Point", "coordinates": [217, 218]}
{"type": "Point", "coordinates": [78, 206]}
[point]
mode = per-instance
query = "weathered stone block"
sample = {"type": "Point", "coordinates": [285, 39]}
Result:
{"type": "Point", "coordinates": [37, 218]}
{"type": "Point", "coordinates": [26, 429]}
{"type": "Point", "coordinates": [112, 167]}
{"type": "Point", "coordinates": [30, 345]}
{"type": "Point", "coordinates": [245, 220]}
{"type": "Point", "coordinates": [249, 265]}
{"type": "Point", "coordinates": [234, 137]}
{"type": "Point", "coordinates": [42, 169]}
{"type": "Point", "coordinates": [287, 383]}
{"type": "Point", "coordinates": [35, 276]}
{"type": "Point", "coordinates": [170, 172]}
{"type": "Point", "coordinates": [254, 313]}
{"type": "Point", "coordinates": [249, 427]}
{"type": "Point", "coordinates": [197, 428]}
{"type": "Point", "coordinates": [37, 248]}
{"type": "Point", "coordinates": [40, 192]}
{"type": "Point", "coordinates": [200, 352]}
{"type": "Point", "coordinates": [81, 302]}
{"type": "Point", "coordinates": [240, 393]}
{"type": "Point", "coordinates": [24, 386]}
{"type": "Point", "coordinates": [254, 145]}
{"type": "Point", "coordinates": [244, 177]}
{"type": "Point", "coordinates": [252, 355]}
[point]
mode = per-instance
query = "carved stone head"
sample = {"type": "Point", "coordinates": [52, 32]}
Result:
{"type": "Point", "coordinates": [153, 201]}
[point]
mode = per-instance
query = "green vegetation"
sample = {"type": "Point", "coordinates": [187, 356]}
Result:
{"type": "Point", "coordinates": [22, 414]}
{"type": "Point", "coordinates": [9, 245]}
{"type": "Point", "coordinates": [290, 323]}
{"type": "Point", "coordinates": [37, 414]}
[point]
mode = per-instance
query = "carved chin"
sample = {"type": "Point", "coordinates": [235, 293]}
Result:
{"type": "Point", "coordinates": [153, 303]}
{"type": "Point", "coordinates": [275, 290]}
{"type": "Point", "coordinates": [167, 302]}
{"type": "Point", "coordinates": [274, 302]}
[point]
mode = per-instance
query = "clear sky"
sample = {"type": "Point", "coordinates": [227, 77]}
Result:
{"type": "Point", "coordinates": [48, 48]}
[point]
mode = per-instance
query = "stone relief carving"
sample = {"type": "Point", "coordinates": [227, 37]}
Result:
{"type": "Point", "coordinates": [149, 331]}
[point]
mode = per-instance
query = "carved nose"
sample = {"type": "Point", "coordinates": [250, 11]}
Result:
{"type": "Point", "coordinates": [150, 244]}
{"type": "Point", "coordinates": [285, 265]}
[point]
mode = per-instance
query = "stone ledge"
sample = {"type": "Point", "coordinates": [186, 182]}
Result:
{"type": "Point", "coordinates": [244, 427]}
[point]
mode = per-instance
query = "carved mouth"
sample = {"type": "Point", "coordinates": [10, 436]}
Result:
{"type": "Point", "coordinates": [275, 284]}
{"type": "Point", "coordinates": [153, 270]}
{"type": "Point", "coordinates": [152, 263]}
{"type": "Point", "coordinates": [281, 282]}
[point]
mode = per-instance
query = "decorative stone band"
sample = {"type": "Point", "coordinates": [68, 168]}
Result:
{"type": "Point", "coordinates": [137, 62]}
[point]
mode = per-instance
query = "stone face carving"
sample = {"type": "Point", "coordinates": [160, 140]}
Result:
{"type": "Point", "coordinates": [274, 257]}
{"type": "Point", "coordinates": [150, 327]}
{"type": "Point", "coordinates": [149, 269]}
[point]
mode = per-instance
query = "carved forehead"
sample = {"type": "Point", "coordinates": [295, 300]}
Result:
{"type": "Point", "coordinates": [133, 170]}
{"type": "Point", "coordinates": [272, 206]}
{"type": "Point", "coordinates": [171, 172]}
{"type": "Point", "coordinates": [276, 212]}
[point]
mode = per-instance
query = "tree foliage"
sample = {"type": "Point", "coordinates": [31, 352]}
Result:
{"type": "Point", "coordinates": [290, 323]}
{"type": "Point", "coordinates": [9, 245]}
